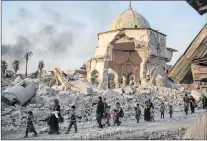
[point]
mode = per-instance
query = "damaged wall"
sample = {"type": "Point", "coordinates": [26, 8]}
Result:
{"type": "Point", "coordinates": [150, 53]}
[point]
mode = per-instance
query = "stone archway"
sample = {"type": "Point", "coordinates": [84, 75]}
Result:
{"type": "Point", "coordinates": [126, 57]}
{"type": "Point", "coordinates": [95, 77]}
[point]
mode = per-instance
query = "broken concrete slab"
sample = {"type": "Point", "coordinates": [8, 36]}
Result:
{"type": "Point", "coordinates": [22, 92]}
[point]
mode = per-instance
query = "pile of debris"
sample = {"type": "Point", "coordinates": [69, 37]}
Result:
{"type": "Point", "coordinates": [34, 95]}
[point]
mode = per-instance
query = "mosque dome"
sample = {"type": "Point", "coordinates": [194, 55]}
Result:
{"type": "Point", "coordinates": [129, 19]}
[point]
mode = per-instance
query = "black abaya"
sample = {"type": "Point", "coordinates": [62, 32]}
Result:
{"type": "Point", "coordinates": [147, 111]}
{"type": "Point", "coordinates": [54, 127]}
{"type": "Point", "coordinates": [148, 114]}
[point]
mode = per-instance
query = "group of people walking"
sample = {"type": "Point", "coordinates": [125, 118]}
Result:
{"type": "Point", "coordinates": [149, 111]}
{"type": "Point", "coordinates": [104, 113]}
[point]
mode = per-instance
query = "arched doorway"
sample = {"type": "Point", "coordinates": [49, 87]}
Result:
{"type": "Point", "coordinates": [95, 77]}
{"type": "Point", "coordinates": [127, 59]}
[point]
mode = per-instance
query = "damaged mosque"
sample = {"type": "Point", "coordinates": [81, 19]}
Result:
{"type": "Point", "coordinates": [129, 53]}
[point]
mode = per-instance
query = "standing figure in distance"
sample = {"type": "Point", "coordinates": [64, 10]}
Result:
{"type": "Point", "coordinates": [170, 111]}
{"type": "Point", "coordinates": [186, 104]}
{"type": "Point", "coordinates": [152, 114]}
{"type": "Point", "coordinates": [192, 104]}
{"type": "Point", "coordinates": [162, 110]}
{"type": "Point", "coordinates": [138, 113]}
{"type": "Point", "coordinates": [100, 112]}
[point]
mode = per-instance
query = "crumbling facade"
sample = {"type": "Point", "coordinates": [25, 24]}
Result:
{"type": "Point", "coordinates": [130, 53]}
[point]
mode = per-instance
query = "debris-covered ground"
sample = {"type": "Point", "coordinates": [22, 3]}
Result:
{"type": "Point", "coordinates": [14, 118]}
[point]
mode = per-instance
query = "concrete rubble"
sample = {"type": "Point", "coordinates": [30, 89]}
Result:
{"type": "Point", "coordinates": [33, 94]}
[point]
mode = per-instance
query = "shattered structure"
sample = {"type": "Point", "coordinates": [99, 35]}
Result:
{"type": "Point", "coordinates": [129, 53]}
{"type": "Point", "coordinates": [199, 5]}
{"type": "Point", "coordinates": [193, 58]}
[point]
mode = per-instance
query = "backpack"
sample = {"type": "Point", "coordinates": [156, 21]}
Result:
{"type": "Point", "coordinates": [121, 113]}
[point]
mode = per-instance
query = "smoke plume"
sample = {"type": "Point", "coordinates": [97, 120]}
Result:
{"type": "Point", "coordinates": [59, 39]}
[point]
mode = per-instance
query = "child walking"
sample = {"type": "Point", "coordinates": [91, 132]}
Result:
{"type": "Point", "coordinates": [138, 113]}
{"type": "Point", "coordinates": [72, 121]}
{"type": "Point", "coordinates": [162, 110]}
{"type": "Point", "coordinates": [152, 114]}
{"type": "Point", "coordinates": [30, 126]}
{"type": "Point", "coordinates": [170, 111]}
{"type": "Point", "coordinates": [119, 114]}
{"type": "Point", "coordinates": [113, 116]}
{"type": "Point", "coordinates": [107, 115]}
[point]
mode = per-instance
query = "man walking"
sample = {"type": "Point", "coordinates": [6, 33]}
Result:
{"type": "Point", "coordinates": [186, 103]}
{"type": "Point", "coordinates": [100, 112]}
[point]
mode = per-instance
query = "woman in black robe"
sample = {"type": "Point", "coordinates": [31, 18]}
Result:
{"type": "Point", "coordinates": [145, 110]}
{"type": "Point", "coordinates": [53, 121]}
{"type": "Point", "coordinates": [148, 106]}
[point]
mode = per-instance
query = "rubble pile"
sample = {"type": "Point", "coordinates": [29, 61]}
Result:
{"type": "Point", "coordinates": [158, 95]}
{"type": "Point", "coordinates": [14, 118]}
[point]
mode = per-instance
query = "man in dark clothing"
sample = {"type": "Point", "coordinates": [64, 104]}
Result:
{"type": "Point", "coordinates": [204, 100]}
{"type": "Point", "coordinates": [162, 110]}
{"type": "Point", "coordinates": [72, 121]}
{"type": "Point", "coordinates": [138, 112]}
{"type": "Point", "coordinates": [100, 112]}
{"type": "Point", "coordinates": [192, 104]}
{"type": "Point", "coordinates": [186, 103]}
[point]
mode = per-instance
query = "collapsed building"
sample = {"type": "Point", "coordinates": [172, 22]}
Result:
{"type": "Point", "coordinates": [129, 53]}
{"type": "Point", "coordinates": [199, 5]}
{"type": "Point", "coordinates": [192, 65]}
{"type": "Point", "coordinates": [194, 58]}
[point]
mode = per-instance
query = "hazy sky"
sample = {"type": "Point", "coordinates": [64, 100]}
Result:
{"type": "Point", "coordinates": [64, 33]}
